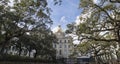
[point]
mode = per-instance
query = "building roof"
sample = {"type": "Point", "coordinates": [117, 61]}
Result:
{"type": "Point", "coordinates": [59, 30]}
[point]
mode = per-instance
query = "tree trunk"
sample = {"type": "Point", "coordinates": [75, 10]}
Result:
{"type": "Point", "coordinates": [3, 48]}
{"type": "Point", "coordinates": [4, 43]}
{"type": "Point", "coordinates": [35, 55]}
{"type": "Point", "coordinates": [29, 52]}
{"type": "Point", "coordinates": [20, 51]}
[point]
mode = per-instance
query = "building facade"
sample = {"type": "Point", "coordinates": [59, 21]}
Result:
{"type": "Point", "coordinates": [64, 45]}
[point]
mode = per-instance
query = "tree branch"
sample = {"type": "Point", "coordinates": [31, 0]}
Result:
{"type": "Point", "coordinates": [105, 12]}
{"type": "Point", "coordinates": [103, 30]}
{"type": "Point", "coordinates": [107, 40]}
{"type": "Point", "coordinates": [98, 39]}
{"type": "Point", "coordinates": [114, 1]}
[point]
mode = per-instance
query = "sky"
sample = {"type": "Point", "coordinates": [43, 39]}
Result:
{"type": "Point", "coordinates": [65, 13]}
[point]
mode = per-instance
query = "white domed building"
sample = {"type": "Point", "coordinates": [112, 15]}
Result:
{"type": "Point", "coordinates": [65, 44]}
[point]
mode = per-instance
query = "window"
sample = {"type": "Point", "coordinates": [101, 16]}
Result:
{"type": "Point", "coordinates": [60, 52]}
{"type": "Point", "coordinates": [69, 46]}
{"type": "Point", "coordinates": [65, 41]}
{"type": "Point", "coordinates": [60, 41]}
{"type": "Point", "coordinates": [68, 40]}
{"type": "Point", "coordinates": [65, 51]}
{"type": "Point", "coordinates": [60, 46]}
{"type": "Point", "coordinates": [65, 46]}
{"type": "Point", "coordinates": [55, 45]}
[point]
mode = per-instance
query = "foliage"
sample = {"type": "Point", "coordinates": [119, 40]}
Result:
{"type": "Point", "coordinates": [25, 25]}
{"type": "Point", "coordinates": [99, 27]}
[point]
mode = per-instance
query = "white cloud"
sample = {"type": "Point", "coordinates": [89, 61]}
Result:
{"type": "Point", "coordinates": [55, 29]}
{"type": "Point", "coordinates": [104, 3]}
{"type": "Point", "coordinates": [11, 3]}
{"type": "Point", "coordinates": [75, 38]}
{"type": "Point", "coordinates": [77, 21]}
{"type": "Point", "coordinates": [98, 1]}
{"type": "Point", "coordinates": [62, 22]}
{"type": "Point", "coordinates": [117, 5]}
{"type": "Point", "coordinates": [63, 19]}
{"type": "Point", "coordinates": [76, 42]}
{"type": "Point", "coordinates": [83, 17]}
{"type": "Point", "coordinates": [95, 1]}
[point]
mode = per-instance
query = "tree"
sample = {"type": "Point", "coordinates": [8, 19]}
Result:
{"type": "Point", "coordinates": [98, 20]}
{"type": "Point", "coordinates": [24, 23]}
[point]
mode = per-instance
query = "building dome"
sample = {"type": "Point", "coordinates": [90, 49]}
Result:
{"type": "Point", "coordinates": [58, 29]}
{"type": "Point", "coordinates": [58, 32]}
